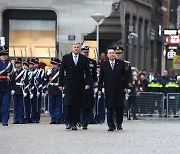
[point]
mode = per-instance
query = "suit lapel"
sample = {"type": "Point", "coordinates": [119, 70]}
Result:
{"type": "Point", "coordinates": [71, 60]}
{"type": "Point", "coordinates": [109, 65]}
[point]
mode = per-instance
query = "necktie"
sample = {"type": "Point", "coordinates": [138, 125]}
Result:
{"type": "Point", "coordinates": [75, 60]}
{"type": "Point", "coordinates": [112, 66]}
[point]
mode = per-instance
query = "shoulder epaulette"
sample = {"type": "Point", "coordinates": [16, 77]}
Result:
{"type": "Point", "coordinates": [126, 61]}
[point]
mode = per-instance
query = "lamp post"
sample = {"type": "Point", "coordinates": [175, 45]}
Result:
{"type": "Point", "coordinates": [97, 17]}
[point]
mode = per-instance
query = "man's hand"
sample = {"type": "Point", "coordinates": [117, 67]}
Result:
{"type": "Point", "coordinates": [87, 87]}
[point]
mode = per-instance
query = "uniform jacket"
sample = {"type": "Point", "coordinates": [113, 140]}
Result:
{"type": "Point", "coordinates": [6, 73]}
{"type": "Point", "coordinates": [52, 81]}
{"type": "Point", "coordinates": [115, 81]}
{"type": "Point", "coordinates": [73, 78]}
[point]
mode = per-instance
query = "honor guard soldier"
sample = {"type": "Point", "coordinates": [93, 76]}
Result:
{"type": "Point", "coordinates": [17, 92]}
{"type": "Point", "coordinates": [33, 91]}
{"type": "Point", "coordinates": [88, 99]}
{"type": "Point", "coordinates": [6, 73]}
{"type": "Point", "coordinates": [26, 93]}
{"type": "Point", "coordinates": [99, 108]}
{"type": "Point", "coordinates": [38, 82]}
{"type": "Point", "coordinates": [54, 93]}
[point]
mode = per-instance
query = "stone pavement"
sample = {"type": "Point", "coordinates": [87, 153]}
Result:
{"type": "Point", "coordinates": [157, 136]}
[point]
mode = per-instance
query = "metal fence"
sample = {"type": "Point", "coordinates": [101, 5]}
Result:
{"type": "Point", "coordinates": [173, 104]}
{"type": "Point", "coordinates": [150, 103]}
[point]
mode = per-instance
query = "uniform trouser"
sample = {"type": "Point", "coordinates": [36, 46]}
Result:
{"type": "Point", "coordinates": [86, 114]}
{"type": "Point", "coordinates": [5, 100]}
{"type": "Point", "coordinates": [71, 115]}
{"type": "Point", "coordinates": [18, 108]}
{"type": "Point", "coordinates": [38, 111]}
{"type": "Point", "coordinates": [132, 105]}
{"type": "Point", "coordinates": [119, 116]}
{"type": "Point", "coordinates": [0, 109]}
{"type": "Point", "coordinates": [27, 105]}
{"type": "Point", "coordinates": [34, 107]}
{"type": "Point", "coordinates": [99, 109]}
{"type": "Point", "coordinates": [55, 107]}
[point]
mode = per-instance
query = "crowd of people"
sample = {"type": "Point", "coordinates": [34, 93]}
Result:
{"type": "Point", "coordinates": [79, 89]}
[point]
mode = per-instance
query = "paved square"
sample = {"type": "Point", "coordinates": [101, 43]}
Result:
{"type": "Point", "coordinates": [152, 136]}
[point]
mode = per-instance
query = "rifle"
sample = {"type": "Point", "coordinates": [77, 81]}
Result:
{"type": "Point", "coordinates": [21, 56]}
{"type": "Point", "coordinates": [25, 53]}
{"type": "Point", "coordinates": [31, 53]}
{"type": "Point", "coordinates": [49, 54]}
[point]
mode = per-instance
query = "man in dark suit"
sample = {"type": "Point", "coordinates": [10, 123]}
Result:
{"type": "Point", "coordinates": [114, 77]}
{"type": "Point", "coordinates": [75, 77]}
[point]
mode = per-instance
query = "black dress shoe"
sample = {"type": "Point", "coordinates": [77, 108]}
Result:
{"type": "Point", "coordinates": [20, 122]}
{"type": "Point", "coordinates": [5, 124]}
{"type": "Point", "coordinates": [119, 127]}
{"type": "Point", "coordinates": [74, 128]}
{"type": "Point", "coordinates": [36, 121]}
{"type": "Point", "coordinates": [58, 122]}
{"type": "Point", "coordinates": [84, 127]}
{"type": "Point", "coordinates": [111, 129]}
{"type": "Point", "coordinates": [52, 122]}
{"type": "Point", "coordinates": [68, 126]}
{"type": "Point", "coordinates": [15, 122]}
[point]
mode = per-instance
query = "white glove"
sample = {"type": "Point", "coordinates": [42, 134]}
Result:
{"type": "Point", "coordinates": [95, 90]}
{"type": "Point", "coordinates": [63, 95]}
{"type": "Point", "coordinates": [129, 90]}
{"type": "Point", "coordinates": [38, 93]}
{"type": "Point", "coordinates": [43, 94]}
{"type": "Point", "coordinates": [31, 96]}
{"type": "Point", "coordinates": [99, 96]}
{"type": "Point", "coordinates": [48, 72]}
{"type": "Point", "coordinates": [103, 90]}
{"type": "Point", "coordinates": [24, 94]}
{"type": "Point", "coordinates": [12, 92]}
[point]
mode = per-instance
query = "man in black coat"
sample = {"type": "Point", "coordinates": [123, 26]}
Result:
{"type": "Point", "coordinates": [114, 77]}
{"type": "Point", "coordinates": [75, 77]}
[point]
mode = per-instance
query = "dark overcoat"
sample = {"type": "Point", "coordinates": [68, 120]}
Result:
{"type": "Point", "coordinates": [74, 78]}
{"type": "Point", "coordinates": [115, 81]}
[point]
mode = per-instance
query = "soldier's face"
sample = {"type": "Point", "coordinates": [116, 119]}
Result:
{"type": "Point", "coordinates": [36, 65]}
{"type": "Point", "coordinates": [25, 67]}
{"type": "Point", "coordinates": [3, 57]}
{"type": "Point", "coordinates": [54, 66]}
{"type": "Point", "coordinates": [18, 65]}
{"type": "Point", "coordinates": [111, 54]}
{"type": "Point", "coordinates": [118, 56]}
{"type": "Point", "coordinates": [76, 48]}
{"type": "Point", "coordinates": [85, 53]}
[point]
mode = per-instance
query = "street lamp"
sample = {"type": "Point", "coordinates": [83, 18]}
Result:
{"type": "Point", "coordinates": [97, 17]}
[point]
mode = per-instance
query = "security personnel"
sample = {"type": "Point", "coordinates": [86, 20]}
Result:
{"type": "Point", "coordinates": [172, 87]}
{"type": "Point", "coordinates": [38, 82]}
{"type": "Point", "coordinates": [155, 86]}
{"type": "Point", "coordinates": [6, 73]}
{"type": "Point", "coordinates": [17, 92]}
{"type": "Point", "coordinates": [88, 99]}
{"type": "Point", "coordinates": [54, 93]}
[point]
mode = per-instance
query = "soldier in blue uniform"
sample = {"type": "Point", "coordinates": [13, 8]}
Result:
{"type": "Point", "coordinates": [6, 73]}
{"type": "Point", "coordinates": [99, 108]}
{"type": "Point", "coordinates": [17, 92]}
{"type": "Point", "coordinates": [54, 93]}
{"type": "Point", "coordinates": [32, 90]}
{"type": "Point", "coordinates": [26, 92]}
{"type": "Point", "coordinates": [38, 82]}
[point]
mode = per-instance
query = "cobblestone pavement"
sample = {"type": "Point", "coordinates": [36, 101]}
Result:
{"type": "Point", "coordinates": [157, 136]}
